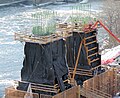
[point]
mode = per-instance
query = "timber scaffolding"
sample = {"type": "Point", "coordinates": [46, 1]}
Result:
{"type": "Point", "coordinates": [63, 31]}
{"type": "Point", "coordinates": [104, 85]}
{"type": "Point", "coordinates": [100, 85]}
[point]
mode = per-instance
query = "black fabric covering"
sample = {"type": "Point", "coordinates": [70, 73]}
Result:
{"type": "Point", "coordinates": [73, 44]}
{"type": "Point", "coordinates": [44, 63]}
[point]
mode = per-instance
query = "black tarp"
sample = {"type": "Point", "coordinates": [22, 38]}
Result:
{"type": "Point", "coordinates": [73, 44]}
{"type": "Point", "coordinates": [44, 63]}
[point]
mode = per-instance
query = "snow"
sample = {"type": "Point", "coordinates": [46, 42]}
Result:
{"type": "Point", "coordinates": [109, 55]}
{"type": "Point", "coordinates": [84, 1]}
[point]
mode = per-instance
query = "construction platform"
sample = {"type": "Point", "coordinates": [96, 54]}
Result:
{"type": "Point", "coordinates": [62, 32]}
{"type": "Point", "coordinates": [41, 39]}
{"type": "Point", "coordinates": [76, 46]}
{"type": "Point", "coordinates": [105, 85]}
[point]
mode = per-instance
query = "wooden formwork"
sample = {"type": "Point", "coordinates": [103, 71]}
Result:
{"type": "Point", "coordinates": [89, 93]}
{"type": "Point", "coordinates": [11, 92]}
{"type": "Point", "coordinates": [42, 39]}
{"type": "Point", "coordinates": [118, 82]}
{"type": "Point", "coordinates": [103, 85]}
{"type": "Point", "coordinates": [73, 92]}
{"type": "Point", "coordinates": [63, 31]}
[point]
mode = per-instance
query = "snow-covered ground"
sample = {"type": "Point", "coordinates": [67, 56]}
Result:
{"type": "Point", "coordinates": [111, 56]}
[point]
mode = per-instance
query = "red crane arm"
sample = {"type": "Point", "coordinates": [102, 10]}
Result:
{"type": "Point", "coordinates": [106, 30]}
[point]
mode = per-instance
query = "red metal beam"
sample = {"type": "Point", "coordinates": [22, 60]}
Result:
{"type": "Point", "coordinates": [106, 30]}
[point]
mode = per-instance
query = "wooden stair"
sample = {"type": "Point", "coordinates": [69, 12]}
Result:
{"type": "Point", "coordinates": [92, 48]}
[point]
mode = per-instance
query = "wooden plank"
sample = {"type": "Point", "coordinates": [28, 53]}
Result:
{"type": "Point", "coordinates": [103, 84]}
{"type": "Point", "coordinates": [90, 42]}
{"type": "Point", "coordinates": [93, 54]}
{"type": "Point", "coordinates": [92, 49]}
{"type": "Point", "coordinates": [10, 92]}
{"type": "Point", "coordinates": [82, 74]}
{"type": "Point", "coordinates": [78, 69]}
{"type": "Point", "coordinates": [70, 93]}
{"type": "Point", "coordinates": [90, 37]}
{"type": "Point", "coordinates": [45, 96]}
{"type": "Point", "coordinates": [94, 60]}
{"type": "Point", "coordinates": [41, 39]}
{"type": "Point", "coordinates": [44, 90]}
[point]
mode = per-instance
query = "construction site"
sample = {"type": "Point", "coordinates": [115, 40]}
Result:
{"type": "Point", "coordinates": [62, 57]}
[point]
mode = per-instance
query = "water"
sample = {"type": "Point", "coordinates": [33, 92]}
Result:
{"type": "Point", "coordinates": [13, 19]}
{"type": "Point", "coordinates": [11, 51]}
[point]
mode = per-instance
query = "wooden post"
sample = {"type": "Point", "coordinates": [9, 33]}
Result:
{"type": "Point", "coordinates": [78, 56]}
